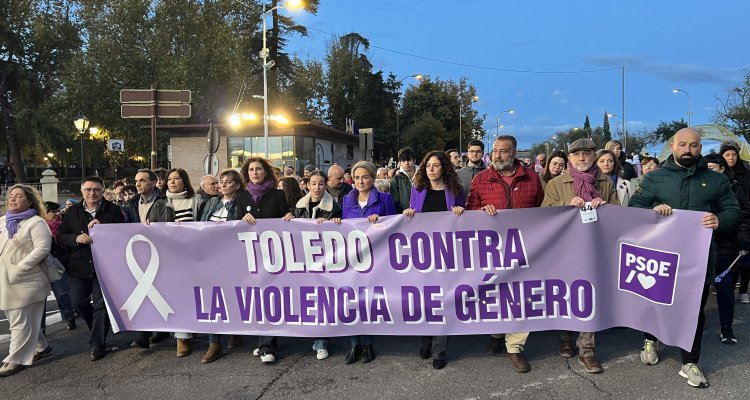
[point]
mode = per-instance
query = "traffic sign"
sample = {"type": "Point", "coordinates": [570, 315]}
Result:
{"type": "Point", "coordinates": [138, 110]}
{"type": "Point", "coordinates": [211, 164]}
{"type": "Point", "coordinates": [162, 96]}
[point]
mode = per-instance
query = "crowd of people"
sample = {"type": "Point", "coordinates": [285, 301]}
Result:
{"type": "Point", "coordinates": [718, 185]}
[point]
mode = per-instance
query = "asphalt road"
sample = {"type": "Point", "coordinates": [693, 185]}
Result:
{"type": "Point", "coordinates": [397, 372]}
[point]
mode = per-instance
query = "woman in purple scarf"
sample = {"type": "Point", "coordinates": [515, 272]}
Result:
{"type": "Point", "coordinates": [25, 241]}
{"type": "Point", "coordinates": [265, 201]}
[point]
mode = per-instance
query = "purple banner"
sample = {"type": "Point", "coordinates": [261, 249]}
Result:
{"type": "Point", "coordinates": [434, 274]}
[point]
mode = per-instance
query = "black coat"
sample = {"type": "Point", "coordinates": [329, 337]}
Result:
{"type": "Point", "coordinates": [272, 205]}
{"type": "Point", "coordinates": [728, 244]}
{"type": "Point", "coordinates": [76, 220]}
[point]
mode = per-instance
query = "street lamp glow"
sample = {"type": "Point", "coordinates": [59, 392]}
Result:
{"type": "Point", "coordinates": [249, 117]}
{"type": "Point", "coordinates": [81, 123]}
{"type": "Point", "coordinates": [294, 4]}
{"type": "Point", "coordinates": [235, 120]}
{"type": "Point", "coordinates": [50, 155]}
{"type": "Point", "coordinates": [93, 130]}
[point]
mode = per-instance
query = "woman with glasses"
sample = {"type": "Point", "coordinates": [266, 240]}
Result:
{"type": "Point", "coordinates": [648, 164]}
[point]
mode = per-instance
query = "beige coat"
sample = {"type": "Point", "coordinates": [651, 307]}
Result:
{"type": "Point", "coordinates": [22, 281]}
{"type": "Point", "coordinates": [559, 191]}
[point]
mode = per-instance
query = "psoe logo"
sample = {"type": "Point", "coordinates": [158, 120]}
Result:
{"type": "Point", "coordinates": [649, 273]}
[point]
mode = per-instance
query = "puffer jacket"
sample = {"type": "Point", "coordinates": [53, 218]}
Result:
{"type": "Point", "coordinates": [378, 203]}
{"type": "Point", "coordinates": [696, 188]}
{"type": "Point", "coordinates": [488, 187]}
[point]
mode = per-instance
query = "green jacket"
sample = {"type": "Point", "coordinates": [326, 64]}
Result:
{"type": "Point", "coordinates": [401, 191]}
{"type": "Point", "coordinates": [696, 188]}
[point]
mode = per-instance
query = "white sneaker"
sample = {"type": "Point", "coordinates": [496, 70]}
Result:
{"type": "Point", "coordinates": [256, 352]}
{"type": "Point", "coordinates": [743, 298]}
{"type": "Point", "coordinates": [649, 356]}
{"type": "Point", "coordinates": [322, 354]}
{"type": "Point", "coordinates": [694, 375]}
{"type": "Point", "coordinates": [267, 358]}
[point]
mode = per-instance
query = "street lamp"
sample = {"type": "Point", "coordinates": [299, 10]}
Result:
{"type": "Point", "coordinates": [474, 99]}
{"type": "Point", "coordinates": [419, 78]}
{"type": "Point", "coordinates": [81, 123]}
{"type": "Point", "coordinates": [498, 118]}
{"type": "Point", "coordinates": [269, 64]}
{"type": "Point", "coordinates": [690, 106]}
{"type": "Point", "coordinates": [610, 115]}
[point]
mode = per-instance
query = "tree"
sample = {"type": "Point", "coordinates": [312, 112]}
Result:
{"type": "Point", "coordinates": [425, 134]}
{"type": "Point", "coordinates": [36, 39]}
{"type": "Point", "coordinates": [443, 100]}
{"type": "Point", "coordinates": [605, 128]}
{"type": "Point", "coordinates": [734, 110]}
{"type": "Point", "coordinates": [663, 132]}
{"type": "Point", "coordinates": [587, 125]}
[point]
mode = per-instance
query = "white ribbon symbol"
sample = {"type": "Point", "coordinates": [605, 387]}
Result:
{"type": "Point", "coordinates": [145, 287]}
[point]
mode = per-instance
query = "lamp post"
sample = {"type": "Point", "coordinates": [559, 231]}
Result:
{"type": "Point", "coordinates": [474, 99]}
{"type": "Point", "coordinates": [418, 77]}
{"type": "Point", "coordinates": [498, 118]}
{"type": "Point", "coordinates": [82, 124]}
{"type": "Point", "coordinates": [269, 64]}
{"type": "Point", "coordinates": [690, 106]}
{"type": "Point", "coordinates": [610, 115]}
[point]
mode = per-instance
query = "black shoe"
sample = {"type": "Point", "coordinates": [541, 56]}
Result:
{"type": "Point", "coordinates": [353, 355]}
{"type": "Point", "coordinates": [142, 340]}
{"type": "Point", "coordinates": [424, 352]}
{"type": "Point", "coordinates": [495, 346]}
{"type": "Point", "coordinates": [97, 355]}
{"type": "Point", "coordinates": [158, 337]}
{"type": "Point", "coordinates": [72, 325]}
{"type": "Point", "coordinates": [42, 354]}
{"type": "Point", "coordinates": [727, 336]}
{"type": "Point", "coordinates": [368, 353]}
{"type": "Point", "coordinates": [438, 363]}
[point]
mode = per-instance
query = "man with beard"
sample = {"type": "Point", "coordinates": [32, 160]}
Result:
{"type": "Point", "coordinates": [508, 184]}
{"type": "Point", "coordinates": [581, 182]}
{"type": "Point", "coordinates": [455, 158]}
{"type": "Point", "coordinates": [474, 165]}
{"type": "Point", "coordinates": [685, 182]}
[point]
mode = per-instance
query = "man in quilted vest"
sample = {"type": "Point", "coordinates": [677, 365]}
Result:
{"type": "Point", "coordinates": [506, 184]}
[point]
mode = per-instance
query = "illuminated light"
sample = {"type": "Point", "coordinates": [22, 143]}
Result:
{"type": "Point", "coordinates": [294, 4]}
{"type": "Point", "coordinates": [249, 117]}
{"type": "Point", "coordinates": [235, 120]}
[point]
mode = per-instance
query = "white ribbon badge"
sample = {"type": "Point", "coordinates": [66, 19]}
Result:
{"type": "Point", "coordinates": [145, 287]}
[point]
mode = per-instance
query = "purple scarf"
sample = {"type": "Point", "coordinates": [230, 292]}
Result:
{"type": "Point", "coordinates": [257, 191]}
{"type": "Point", "coordinates": [584, 183]}
{"type": "Point", "coordinates": [12, 220]}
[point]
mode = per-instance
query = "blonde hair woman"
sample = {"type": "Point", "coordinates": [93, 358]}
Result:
{"type": "Point", "coordinates": [25, 241]}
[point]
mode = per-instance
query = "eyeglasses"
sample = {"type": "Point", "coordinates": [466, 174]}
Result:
{"type": "Point", "coordinates": [89, 190]}
{"type": "Point", "coordinates": [475, 151]}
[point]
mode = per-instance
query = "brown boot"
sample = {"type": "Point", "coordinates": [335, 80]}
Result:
{"type": "Point", "coordinates": [213, 353]}
{"type": "Point", "coordinates": [567, 348]}
{"type": "Point", "coordinates": [235, 341]}
{"type": "Point", "coordinates": [519, 362]}
{"type": "Point", "coordinates": [183, 347]}
{"type": "Point", "coordinates": [590, 364]}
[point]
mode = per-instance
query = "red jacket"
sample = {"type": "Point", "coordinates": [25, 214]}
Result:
{"type": "Point", "coordinates": [488, 187]}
